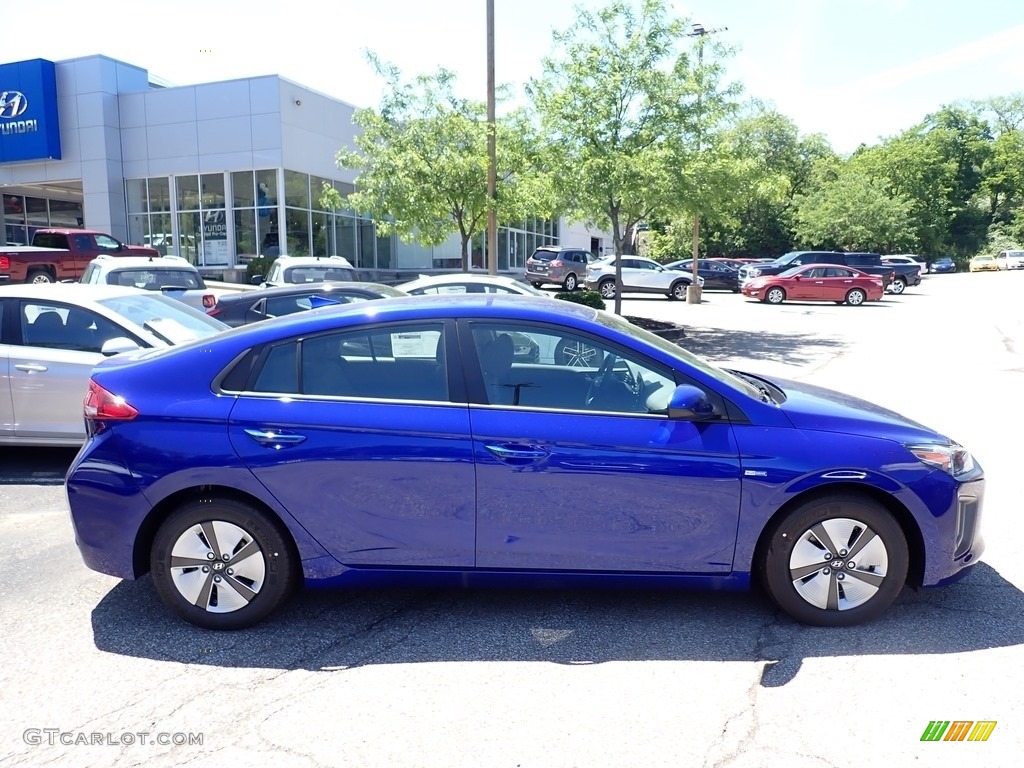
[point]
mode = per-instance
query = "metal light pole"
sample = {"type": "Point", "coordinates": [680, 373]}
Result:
{"type": "Point", "coordinates": [492, 160]}
{"type": "Point", "coordinates": [699, 32]}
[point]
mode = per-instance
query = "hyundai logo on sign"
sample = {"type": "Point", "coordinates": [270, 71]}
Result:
{"type": "Point", "coordinates": [29, 123]}
{"type": "Point", "coordinates": [12, 104]}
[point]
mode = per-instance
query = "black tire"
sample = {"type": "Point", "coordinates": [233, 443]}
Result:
{"type": "Point", "coordinates": [606, 288]}
{"type": "Point", "coordinates": [899, 285]}
{"type": "Point", "coordinates": [835, 592]}
{"type": "Point", "coordinates": [678, 290]}
{"type": "Point", "coordinates": [39, 277]}
{"type": "Point", "coordinates": [261, 580]}
{"type": "Point", "coordinates": [855, 297]}
{"type": "Point", "coordinates": [775, 295]}
{"type": "Point", "coordinates": [536, 284]}
{"type": "Point", "coordinates": [571, 283]}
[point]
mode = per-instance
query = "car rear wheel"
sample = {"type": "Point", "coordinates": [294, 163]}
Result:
{"type": "Point", "coordinates": [222, 564]}
{"type": "Point", "coordinates": [570, 282]}
{"type": "Point", "coordinates": [39, 277]}
{"type": "Point", "coordinates": [898, 286]}
{"type": "Point", "coordinates": [856, 297]}
{"type": "Point", "coordinates": [607, 288]}
{"type": "Point", "coordinates": [536, 283]}
{"type": "Point", "coordinates": [835, 561]}
{"type": "Point", "coordinates": [775, 295]}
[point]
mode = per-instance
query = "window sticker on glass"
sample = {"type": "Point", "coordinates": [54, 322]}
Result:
{"type": "Point", "coordinates": [451, 289]}
{"type": "Point", "coordinates": [414, 343]}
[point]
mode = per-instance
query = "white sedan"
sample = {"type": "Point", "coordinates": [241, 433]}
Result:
{"type": "Point", "coordinates": [468, 282]}
{"type": "Point", "coordinates": [51, 337]}
{"type": "Point", "coordinates": [639, 275]}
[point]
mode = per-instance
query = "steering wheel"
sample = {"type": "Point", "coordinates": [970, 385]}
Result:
{"type": "Point", "coordinates": [601, 377]}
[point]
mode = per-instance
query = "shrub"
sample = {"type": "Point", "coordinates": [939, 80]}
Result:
{"type": "Point", "coordinates": [588, 298]}
{"type": "Point", "coordinates": [257, 266]}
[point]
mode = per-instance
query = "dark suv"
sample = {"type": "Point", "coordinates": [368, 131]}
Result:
{"type": "Point", "coordinates": [562, 265]}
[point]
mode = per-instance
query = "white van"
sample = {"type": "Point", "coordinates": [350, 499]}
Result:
{"type": "Point", "coordinates": [1010, 259]}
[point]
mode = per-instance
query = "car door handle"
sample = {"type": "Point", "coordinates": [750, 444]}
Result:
{"type": "Point", "coordinates": [514, 454]}
{"type": "Point", "coordinates": [274, 439]}
{"type": "Point", "coordinates": [30, 367]}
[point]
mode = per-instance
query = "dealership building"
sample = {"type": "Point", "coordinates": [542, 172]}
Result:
{"type": "Point", "coordinates": [216, 172]}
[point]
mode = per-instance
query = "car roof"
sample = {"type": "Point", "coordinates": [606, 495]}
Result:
{"type": "Point", "coordinates": [153, 262]}
{"type": "Point", "coordinates": [458, 277]}
{"type": "Point", "coordinates": [427, 307]}
{"type": "Point", "coordinates": [330, 286]}
{"type": "Point", "coordinates": [309, 260]}
{"type": "Point", "coordinates": [69, 291]}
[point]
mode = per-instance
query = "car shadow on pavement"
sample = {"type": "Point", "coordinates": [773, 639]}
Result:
{"type": "Point", "coordinates": [20, 465]}
{"type": "Point", "coordinates": [334, 630]}
{"type": "Point", "coordinates": [789, 349]}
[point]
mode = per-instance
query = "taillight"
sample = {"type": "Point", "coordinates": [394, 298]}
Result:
{"type": "Point", "coordinates": [557, 263]}
{"type": "Point", "coordinates": [5, 264]}
{"type": "Point", "coordinates": [101, 405]}
{"type": "Point", "coordinates": [209, 300]}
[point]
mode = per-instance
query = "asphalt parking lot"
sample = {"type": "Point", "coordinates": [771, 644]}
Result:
{"type": "Point", "coordinates": [562, 678]}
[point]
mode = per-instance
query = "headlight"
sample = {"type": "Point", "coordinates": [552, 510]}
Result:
{"type": "Point", "coordinates": [951, 459]}
{"type": "Point", "coordinates": [754, 273]}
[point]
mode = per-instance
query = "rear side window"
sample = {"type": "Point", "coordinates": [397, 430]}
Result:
{"type": "Point", "coordinates": [50, 240]}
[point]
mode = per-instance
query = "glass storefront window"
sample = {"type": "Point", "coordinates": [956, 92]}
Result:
{"type": "Point", "coordinates": [190, 231]}
{"type": "Point", "coordinates": [345, 237]}
{"type": "Point", "coordinates": [296, 190]}
{"type": "Point", "coordinates": [297, 227]}
{"type": "Point", "coordinates": [266, 188]}
{"type": "Point", "coordinates": [316, 187]}
{"type": "Point", "coordinates": [36, 212]}
{"type": "Point", "coordinates": [160, 195]}
{"type": "Point", "coordinates": [242, 189]}
{"type": "Point", "coordinates": [213, 190]}
{"type": "Point", "coordinates": [65, 213]}
{"type": "Point", "coordinates": [136, 194]}
{"type": "Point", "coordinates": [322, 245]}
{"type": "Point", "coordinates": [188, 192]}
{"type": "Point", "coordinates": [245, 233]}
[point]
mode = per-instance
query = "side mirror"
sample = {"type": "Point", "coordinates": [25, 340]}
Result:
{"type": "Point", "coordinates": [689, 403]}
{"type": "Point", "coordinates": [256, 279]}
{"type": "Point", "coordinates": [117, 346]}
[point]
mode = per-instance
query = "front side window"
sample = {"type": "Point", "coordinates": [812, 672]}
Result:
{"type": "Point", "coordinates": [59, 326]}
{"type": "Point", "coordinates": [552, 368]}
{"type": "Point", "coordinates": [107, 243]}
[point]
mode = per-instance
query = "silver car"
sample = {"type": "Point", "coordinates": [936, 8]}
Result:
{"type": "Point", "coordinates": [52, 335]}
{"type": "Point", "coordinates": [639, 275]}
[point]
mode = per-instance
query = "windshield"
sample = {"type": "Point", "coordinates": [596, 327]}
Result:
{"type": "Point", "coordinates": [614, 321]}
{"type": "Point", "coordinates": [169, 320]}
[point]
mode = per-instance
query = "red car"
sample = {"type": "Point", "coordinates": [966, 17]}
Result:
{"type": "Point", "coordinates": [816, 282]}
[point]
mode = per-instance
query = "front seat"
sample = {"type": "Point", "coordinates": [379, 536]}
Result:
{"type": "Point", "coordinates": [495, 364]}
{"type": "Point", "coordinates": [46, 331]}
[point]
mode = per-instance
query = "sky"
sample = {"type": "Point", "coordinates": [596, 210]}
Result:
{"type": "Point", "coordinates": [854, 70]}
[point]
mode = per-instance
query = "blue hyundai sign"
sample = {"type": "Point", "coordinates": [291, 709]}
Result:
{"type": "Point", "coordinates": [29, 128]}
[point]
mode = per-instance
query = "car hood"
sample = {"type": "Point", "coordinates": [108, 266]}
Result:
{"type": "Point", "coordinates": [825, 410]}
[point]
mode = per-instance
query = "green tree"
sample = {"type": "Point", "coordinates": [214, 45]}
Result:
{"type": "Point", "coordinates": [422, 160]}
{"type": "Point", "coordinates": [615, 106]}
{"type": "Point", "coordinates": [854, 213]}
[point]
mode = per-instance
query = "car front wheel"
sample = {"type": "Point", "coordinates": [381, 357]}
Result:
{"type": "Point", "coordinates": [898, 286]}
{"type": "Point", "coordinates": [607, 289]}
{"type": "Point", "coordinates": [835, 561]}
{"type": "Point", "coordinates": [775, 295]}
{"type": "Point", "coordinates": [678, 291]}
{"type": "Point", "coordinates": [222, 564]}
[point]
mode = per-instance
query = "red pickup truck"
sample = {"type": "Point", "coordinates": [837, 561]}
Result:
{"type": "Point", "coordinates": [61, 254]}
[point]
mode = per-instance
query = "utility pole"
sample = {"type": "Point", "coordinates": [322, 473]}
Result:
{"type": "Point", "coordinates": [492, 159]}
{"type": "Point", "coordinates": [700, 32]}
